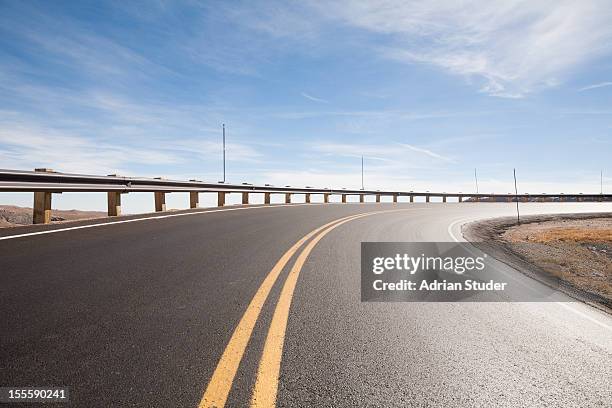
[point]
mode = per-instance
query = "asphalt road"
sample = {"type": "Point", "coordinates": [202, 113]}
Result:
{"type": "Point", "coordinates": [140, 313]}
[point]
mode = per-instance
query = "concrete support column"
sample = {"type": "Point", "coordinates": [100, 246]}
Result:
{"type": "Point", "coordinates": [114, 203]}
{"type": "Point", "coordinates": [344, 198]}
{"type": "Point", "coordinates": [287, 198]}
{"type": "Point", "coordinates": [326, 198]}
{"type": "Point", "coordinates": [160, 201]}
{"type": "Point", "coordinates": [307, 198]}
{"type": "Point", "coordinates": [221, 198]}
{"type": "Point", "coordinates": [245, 197]}
{"type": "Point", "coordinates": [426, 198]}
{"type": "Point", "coordinates": [378, 198]}
{"type": "Point", "coordinates": [42, 207]}
{"type": "Point", "coordinates": [443, 199]}
{"type": "Point", "coordinates": [395, 198]}
{"type": "Point", "coordinates": [412, 199]}
{"type": "Point", "coordinates": [362, 198]}
{"type": "Point", "coordinates": [267, 198]}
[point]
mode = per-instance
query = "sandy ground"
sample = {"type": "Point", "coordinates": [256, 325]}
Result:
{"type": "Point", "coordinates": [13, 216]}
{"type": "Point", "coordinates": [574, 250]}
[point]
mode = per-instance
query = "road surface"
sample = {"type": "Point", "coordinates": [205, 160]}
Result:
{"type": "Point", "coordinates": [164, 312]}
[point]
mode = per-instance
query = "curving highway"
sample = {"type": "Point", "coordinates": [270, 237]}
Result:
{"type": "Point", "coordinates": [261, 306]}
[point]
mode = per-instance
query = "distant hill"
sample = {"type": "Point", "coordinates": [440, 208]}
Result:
{"type": "Point", "coordinates": [13, 216]}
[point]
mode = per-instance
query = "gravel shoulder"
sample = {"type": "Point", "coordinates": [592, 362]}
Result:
{"type": "Point", "coordinates": [571, 252]}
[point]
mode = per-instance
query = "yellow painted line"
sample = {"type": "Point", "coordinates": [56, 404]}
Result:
{"type": "Point", "coordinates": [266, 385]}
{"type": "Point", "coordinates": [221, 381]}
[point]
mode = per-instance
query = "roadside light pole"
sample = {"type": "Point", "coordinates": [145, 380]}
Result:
{"type": "Point", "coordinates": [224, 152]}
{"type": "Point", "coordinates": [476, 179]}
{"type": "Point", "coordinates": [518, 215]}
{"type": "Point", "coordinates": [362, 173]}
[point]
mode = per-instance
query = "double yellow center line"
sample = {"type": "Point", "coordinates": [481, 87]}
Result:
{"type": "Point", "coordinates": [266, 385]}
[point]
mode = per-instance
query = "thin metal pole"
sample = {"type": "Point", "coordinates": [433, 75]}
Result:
{"type": "Point", "coordinates": [601, 182]}
{"type": "Point", "coordinates": [224, 152]}
{"type": "Point", "coordinates": [362, 173]}
{"type": "Point", "coordinates": [476, 178]}
{"type": "Point", "coordinates": [518, 215]}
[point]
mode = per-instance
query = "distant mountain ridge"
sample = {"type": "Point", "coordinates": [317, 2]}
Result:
{"type": "Point", "coordinates": [13, 216]}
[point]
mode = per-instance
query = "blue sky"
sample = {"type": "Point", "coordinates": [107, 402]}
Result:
{"type": "Point", "coordinates": [426, 91]}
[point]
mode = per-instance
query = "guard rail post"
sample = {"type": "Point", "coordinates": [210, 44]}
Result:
{"type": "Point", "coordinates": [194, 198]}
{"type": "Point", "coordinates": [114, 203]}
{"type": "Point", "coordinates": [42, 203]}
{"type": "Point", "coordinates": [160, 201]}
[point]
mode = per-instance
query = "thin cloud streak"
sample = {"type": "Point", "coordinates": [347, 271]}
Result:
{"type": "Point", "coordinates": [595, 86]}
{"type": "Point", "coordinates": [313, 98]}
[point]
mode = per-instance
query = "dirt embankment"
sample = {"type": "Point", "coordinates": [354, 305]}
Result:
{"type": "Point", "coordinates": [571, 252]}
{"type": "Point", "coordinates": [13, 216]}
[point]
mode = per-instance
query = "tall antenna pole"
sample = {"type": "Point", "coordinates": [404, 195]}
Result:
{"type": "Point", "coordinates": [518, 215]}
{"type": "Point", "coordinates": [476, 178]}
{"type": "Point", "coordinates": [601, 182]}
{"type": "Point", "coordinates": [224, 152]}
{"type": "Point", "coordinates": [362, 173]}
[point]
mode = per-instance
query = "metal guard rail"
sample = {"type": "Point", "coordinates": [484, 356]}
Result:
{"type": "Point", "coordinates": [32, 181]}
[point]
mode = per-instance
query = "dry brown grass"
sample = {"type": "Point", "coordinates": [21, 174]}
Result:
{"type": "Point", "coordinates": [573, 235]}
{"type": "Point", "coordinates": [576, 251]}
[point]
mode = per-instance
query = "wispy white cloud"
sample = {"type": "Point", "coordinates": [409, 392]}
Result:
{"type": "Point", "coordinates": [425, 152]}
{"type": "Point", "coordinates": [515, 47]}
{"type": "Point", "coordinates": [313, 98]}
{"type": "Point", "coordinates": [393, 154]}
{"type": "Point", "coordinates": [26, 146]}
{"type": "Point", "coordinates": [595, 86]}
